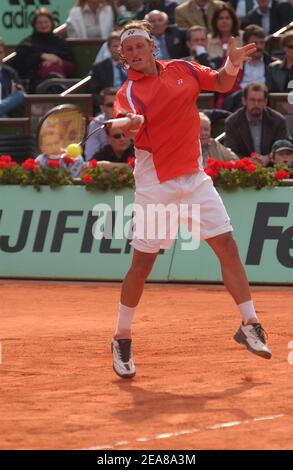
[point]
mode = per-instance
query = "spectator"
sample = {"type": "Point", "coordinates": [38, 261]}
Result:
{"type": "Point", "coordinates": [197, 43]}
{"type": "Point", "coordinates": [256, 70]}
{"type": "Point", "coordinates": [43, 54]}
{"type": "Point", "coordinates": [169, 40]}
{"type": "Point", "coordinates": [117, 151]}
{"type": "Point", "coordinates": [282, 152]}
{"type": "Point", "coordinates": [90, 19]}
{"type": "Point", "coordinates": [211, 147]}
{"type": "Point", "coordinates": [280, 73]}
{"type": "Point", "coordinates": [193, 12]}
{"type": "Point", "coordinates": [99, 139]}
{"type": "Point", "coordinates": [11, 90]}
{"type": "Point", "coordinates": [271, 15]}
{"type": "Point", "coordinates": [109, 72]}
{"type": "Point", "coordinates": [224, 25]}
{"type": "Point", "coordinates": [168, 6]}
{"type": "Point", "coordinates": [255, 127]}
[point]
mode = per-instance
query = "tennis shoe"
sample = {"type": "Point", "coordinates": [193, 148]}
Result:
{"type": "Point", "coordinates": [123, 363]}
{"type": "Point", "coordinates": [252, 336]}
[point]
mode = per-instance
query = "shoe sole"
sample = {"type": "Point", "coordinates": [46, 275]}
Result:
{"type": "Point", "coordinates": [239, 338]}
{"type": "Point", "coordinates": [124, 376]}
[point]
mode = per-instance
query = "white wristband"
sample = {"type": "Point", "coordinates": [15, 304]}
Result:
{"type": "Point", "coordinates": [231, 69]}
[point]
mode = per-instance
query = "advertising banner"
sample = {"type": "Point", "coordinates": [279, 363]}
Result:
{"type": "Point", "coordinates": [16, 15]}
{"type": "Point", "coordinates": [71, 233]}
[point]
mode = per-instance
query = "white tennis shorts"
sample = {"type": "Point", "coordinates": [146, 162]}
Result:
{"type": "Point", "coordinates": [192, 199]}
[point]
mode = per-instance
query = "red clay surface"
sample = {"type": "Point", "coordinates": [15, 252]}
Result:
{"type": "Point", "coordinates": [58, 390]}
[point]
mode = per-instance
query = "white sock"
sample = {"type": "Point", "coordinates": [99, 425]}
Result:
{"type": "Point", "coordinates": [125, 317]}
{"type": "Point", "coordinates": [247, 311]}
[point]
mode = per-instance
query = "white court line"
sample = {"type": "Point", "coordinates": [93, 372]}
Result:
{"type": "Point", "coordinates": [187, 431]}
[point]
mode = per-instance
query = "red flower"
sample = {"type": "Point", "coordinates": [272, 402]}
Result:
{"type": "Point", "coordinates": [68, 161]}
{"type": "Point", "coordinates": [229, 165]}
{"type": "Point", "coordinates": [211, 173]}
{"type": "Point", "coordinates": [53, 163]}
{"type": "Point", "coordinates": [5, 158]}
{"type": "Point", "coordinates": [131, 161]}
{"type": "Point", "coordinates": [30, 164]}
{"type": "Point", "coordinates": [93, 164]}
{"type": "Point", "coordinates": [87, 179]}
{"type": "Point", "coordinates": [246, 165]}
{"type": "Point", "coordinates": [281, 175]}
{"type": "Point", "coordinates": [6, 161]}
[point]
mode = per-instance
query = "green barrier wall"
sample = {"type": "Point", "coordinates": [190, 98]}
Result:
{"type": "Point", "coordinates": [15, 16]}
{"type": "Point", "coordinates": [49, 235]}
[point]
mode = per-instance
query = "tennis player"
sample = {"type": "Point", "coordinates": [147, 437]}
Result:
{"type": "Point", "coordinates": [160, 98]}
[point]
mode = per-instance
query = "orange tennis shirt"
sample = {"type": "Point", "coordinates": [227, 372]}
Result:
{"type": "Point", "coordinates": [171, 129]}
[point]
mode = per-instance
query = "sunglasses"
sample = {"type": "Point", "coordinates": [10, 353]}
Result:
{"type": "Point", "coordinates": [289, 46]}
{"type": "Point", "coordinates": [109, 105]}
{"type": "Point", "coordinates": [117, 136]}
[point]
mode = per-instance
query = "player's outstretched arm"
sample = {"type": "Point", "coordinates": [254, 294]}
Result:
{"type": "Point", "coordinates": [237, 56]}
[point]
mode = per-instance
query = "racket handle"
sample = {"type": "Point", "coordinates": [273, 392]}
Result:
{"type": "Point", "coordinates": [124, 121]}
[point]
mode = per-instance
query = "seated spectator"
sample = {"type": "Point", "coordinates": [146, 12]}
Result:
{"type": "Point", "coordinates": [197, 43]}
{"type": "Point", "coordinates": [90, 19]}
{"type": "Point", "coordinates": [43, 55]}
{"type": "Point", "coordinates": [73, 165]}
{"type": "Point", "coordinates": [282, 152]}
{"type": "Point", "coordinates": [99, 139]}
{"type": "Point", "coordinates": [169, 40]}
{"type": "Point", "coordinates": [193, 12]}
{"type": "Point", "coordinates": [255, 70]}
{"type": "Point", "coordinates": [280, 73]}
{"type": "Point", "coordinates": [117, 151]}
{"type": "Point", "coordinates": [109, 72]}
{"type": "Point", "coordinates": [211, 147]}
{"type": "Point", "coordinates": [11, 90]}
{"type": "Point", "coordinates": [224, 25]}
{"type": "Point", "coordinates": [271, 15]}
{"type": "Point", "coordinates": [168, 6]}
{"type": "Point", "coordinates": [255, 127]}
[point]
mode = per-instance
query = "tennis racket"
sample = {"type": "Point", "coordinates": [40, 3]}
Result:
{"type": "Point", "coordinates": [65, 125]}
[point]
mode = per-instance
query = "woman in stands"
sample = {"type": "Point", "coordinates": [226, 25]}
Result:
{"type": "Point", "coordinates": [225, 24]}
{"type": "Point", "coordinates": [90, 19]}
{"type": "Point", "coordinates": [43, 54]}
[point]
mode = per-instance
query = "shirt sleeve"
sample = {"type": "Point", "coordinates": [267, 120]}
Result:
{"type": "Point", "coordinates": [125, 104]}
{"type": "Point", "coordinates": [205, 76]}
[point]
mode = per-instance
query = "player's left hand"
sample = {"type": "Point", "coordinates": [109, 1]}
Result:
{"type": "Point", "coordinates": [240, 54]}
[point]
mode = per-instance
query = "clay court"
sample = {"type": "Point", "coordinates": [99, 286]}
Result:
{"type": "Point", "coordinates": [195, 387]}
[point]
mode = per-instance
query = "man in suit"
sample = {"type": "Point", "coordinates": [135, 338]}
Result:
{"type": "Point", "coordinates": [11, 90]}
{"type": "Point", "coordinates": [194, 12]}
{"type": "Point", "coordinates": [109, 72]}
{"type": "Point", "coordinates": [255, 127]}
{"type": "Point", "coordinates": [271, 15]}
{"type": "Point", "coordinates": [169, 40]}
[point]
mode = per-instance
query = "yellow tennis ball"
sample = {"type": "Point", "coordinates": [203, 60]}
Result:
{"type": "Point", "coordinates": [74, 150]}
